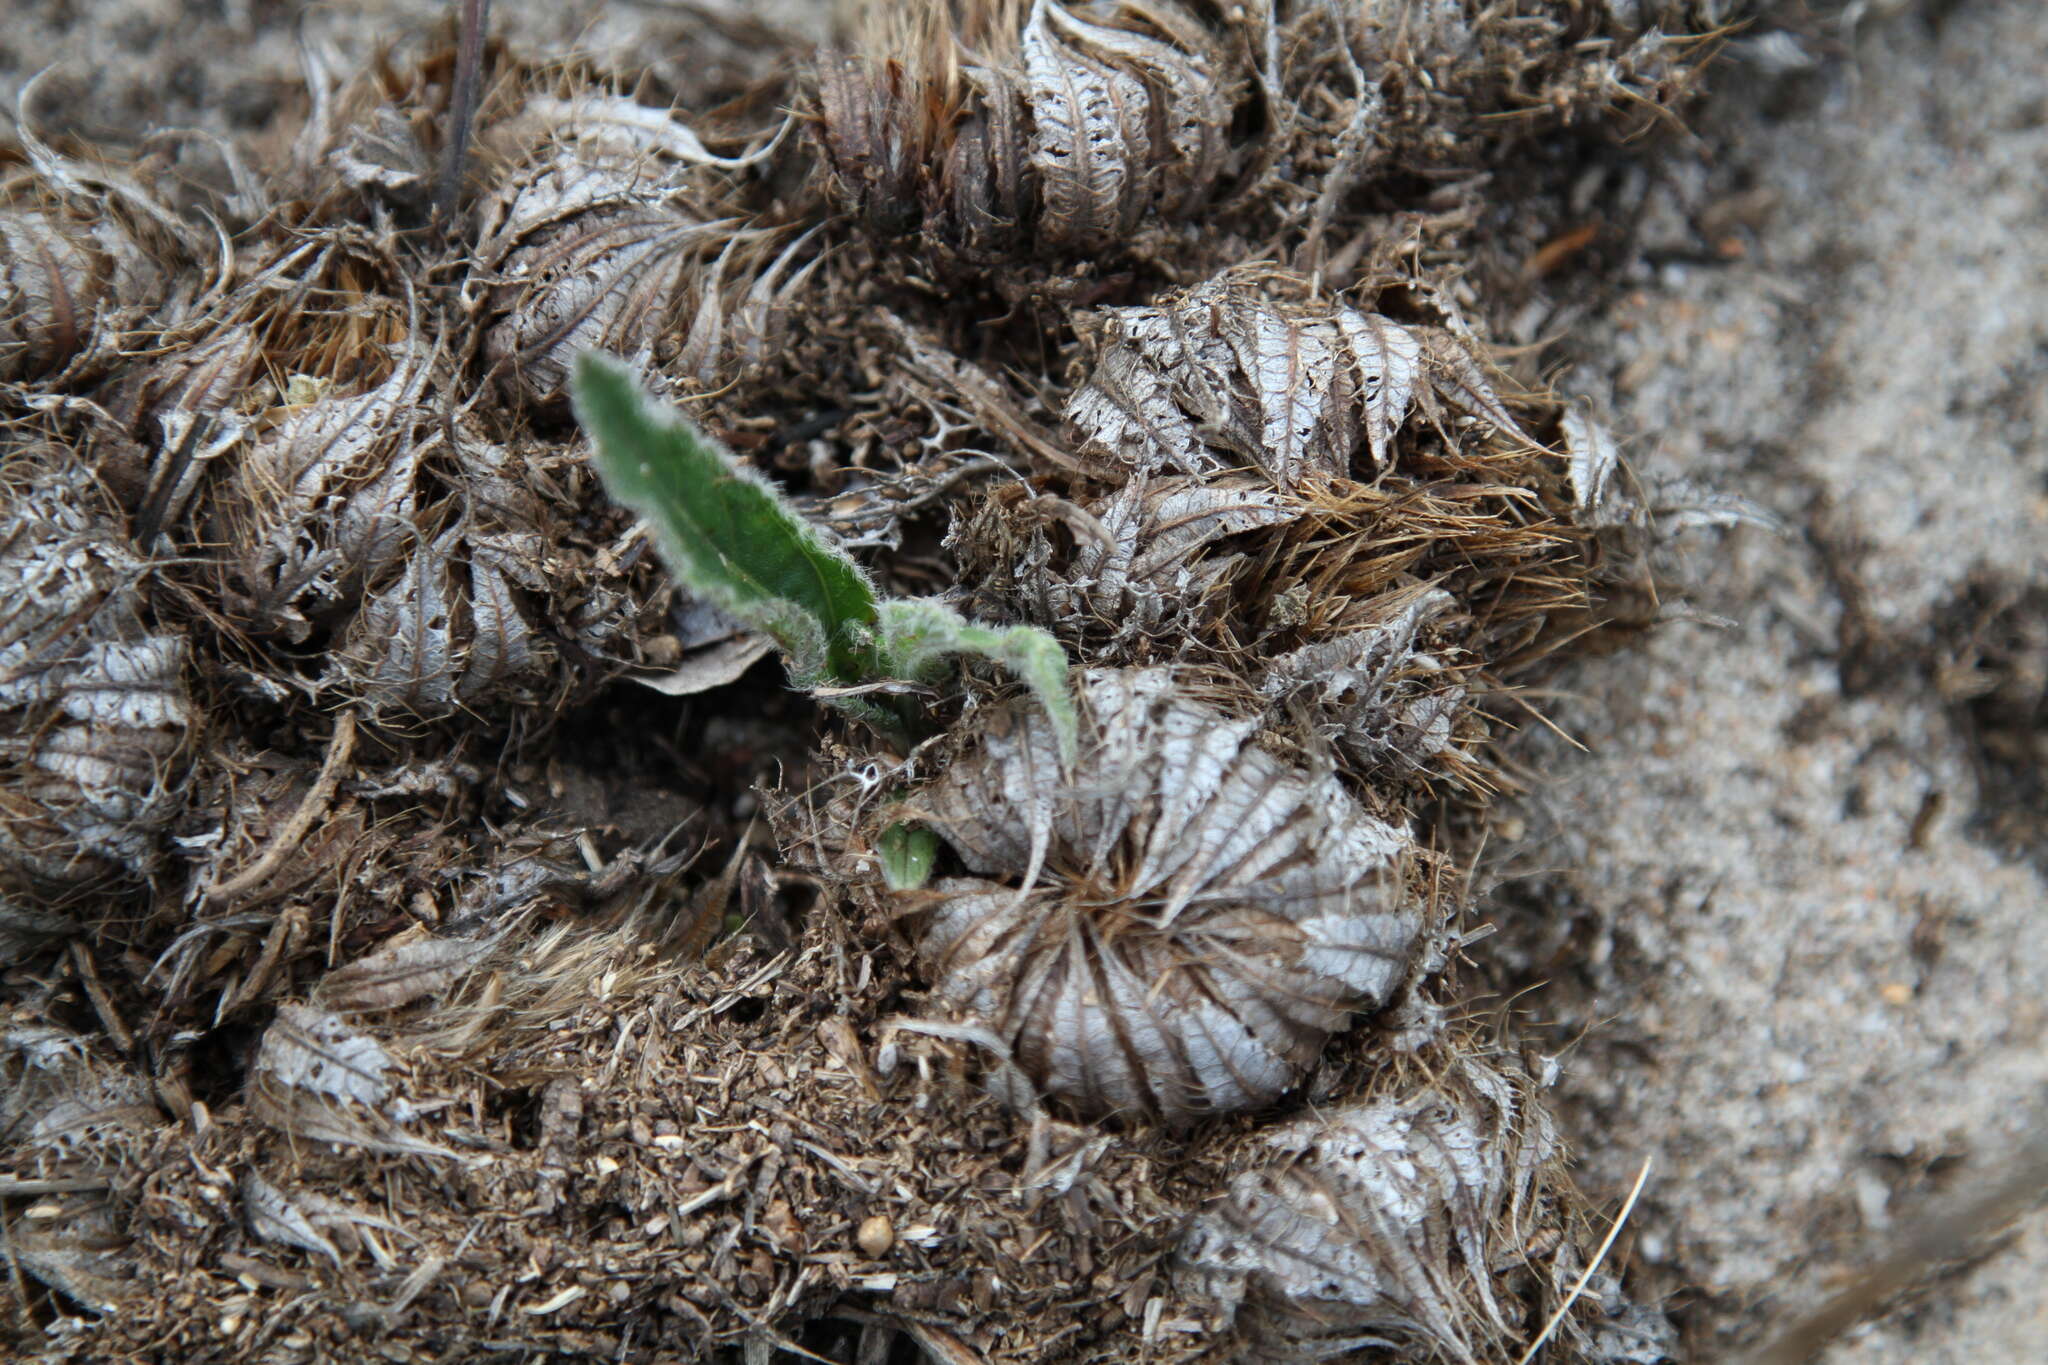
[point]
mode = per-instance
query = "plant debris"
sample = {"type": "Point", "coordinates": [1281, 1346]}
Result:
{"type": "Point", "coordinates": [388, 974]}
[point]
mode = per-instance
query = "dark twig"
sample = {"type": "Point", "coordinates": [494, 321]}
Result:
{"type": "Point", "coordinates": [469, 61]}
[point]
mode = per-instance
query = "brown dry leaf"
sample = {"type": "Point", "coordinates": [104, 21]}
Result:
{"type": "Point", "coordinates": [1151, 575]}
{"type": "Point", "coordinates": [1176, 926]}
{"type": "Point", "coordinates": [93, 707]}
{"type": "Point", "coordinates": [1373, 691]}
{"type": "Point", "coordinates": [1090, 136]}
{"type": "Point", "coordinates": [80, 1250]}
{"type": "Point", "coordinates": [316, 1051]}
{"type": "Point", "coordinates": [401, 972]}
{"type": "Point", "coordinates": [273, 1216]}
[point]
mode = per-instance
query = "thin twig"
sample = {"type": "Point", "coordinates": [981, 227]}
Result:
{"type": "Point", "coordinates": [287, 839]}
{"type": "Point", "coordinates": [1606, 1244]}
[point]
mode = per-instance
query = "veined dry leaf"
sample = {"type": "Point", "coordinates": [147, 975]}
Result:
{"type": "Point", "coordinates": [69, 283]}
{"type": "Point", "coordinates": [1149, 577]}
{"type": "Point", "coordinates": [93, 706]}
{"type": "Point", "coordinates": [1382, 1224]}
{"type": "Point", "coordinates": [402, 972]}
{"type": "Point", "coordinates": [401, 653]}
{"type": "Point", "coordinates": [273, 1216]}
{"type": "Point", "coordinates": [79, 1252]}
{"type": "Point", "coordinates": [313, 1050]}
{"type": "Point", "coordinates": [1226, 375]}
{"type": "Point", "coordinates": [1593, 457]}
{"type": "Point", "coordinates": [1178, 924]}
{"type": "Point", "coordinates": [1090, 137]}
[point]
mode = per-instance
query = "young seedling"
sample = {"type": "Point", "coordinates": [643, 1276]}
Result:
{"type": "Point", "coordinates": [735, 541]}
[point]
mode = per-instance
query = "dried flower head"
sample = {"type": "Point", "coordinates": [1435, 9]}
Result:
{"type": "Point", "coordinates": [1174, 926]}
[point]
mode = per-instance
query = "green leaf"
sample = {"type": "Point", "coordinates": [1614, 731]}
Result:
{"type": "Point", "coordinates": [907, 853]}
{"type": "Point", "coordinates": [919, 636]}
{"type": "Point", "coordinates": [729, 535]}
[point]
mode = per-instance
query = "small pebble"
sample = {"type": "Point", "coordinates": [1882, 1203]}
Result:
{"type": "Point", "coordinates": [876, 1236]}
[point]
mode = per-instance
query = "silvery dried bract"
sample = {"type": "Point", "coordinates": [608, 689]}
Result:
{"type": "Point", "coordinates": [1069, 131]}
{"type": "Point", "coordinates": [1390, 1223]}
{"type": "Point", "coordinates": [93, 706]}
{"type": "Point", "coordinates": [1227, 375]}
{"type": "Point", "coordinates": [606, 236]}
{"type": "Point", "coordinates": [1176, 925]}
{"type": "Point", "coordinates": [1373, 691]}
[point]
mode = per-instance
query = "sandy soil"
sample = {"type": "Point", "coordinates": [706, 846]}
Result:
{"type": "Point", "coordinates": [1808, 990]}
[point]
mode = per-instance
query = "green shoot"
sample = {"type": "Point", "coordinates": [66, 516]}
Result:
{"type": "Point", "coordinates": [734, 540]}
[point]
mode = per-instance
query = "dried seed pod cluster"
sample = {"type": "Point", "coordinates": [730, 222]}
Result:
{"type": "Point", "coordinates": [1176, 926]}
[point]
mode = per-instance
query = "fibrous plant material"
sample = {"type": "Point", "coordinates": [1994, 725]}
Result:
{"type": "Point", "coordinates": [1178, 926]}
{"type": "Point", "coordinates": [408, 1021]}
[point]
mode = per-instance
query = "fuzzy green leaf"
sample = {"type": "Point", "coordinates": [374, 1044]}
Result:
{"type": "Point", "coordinates": [919, 636]}
{"type": "Point", "coordinates": [726, 533]}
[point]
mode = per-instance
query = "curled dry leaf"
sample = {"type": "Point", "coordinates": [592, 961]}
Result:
{"type": "Point", "coordinates": [1175, 926]}
{"type": "Point", "coordinates": [1072, 128]}
{"type": "Point", "coordinates": [80, 1250]}
{"type": "Point", "coordinates": [1385, 1224]}
{"type": "Point", "coordinates": [71, 280]}
{"type": "Point", "coordinates": [61, 1098]}
{"type": "Point", "coordinates": [317, 1051]}
{"type": "Point", "coordinates": [1228, 374]}
{"type": "Point", "coordinates": [608, 236]}
{"type": "Point", "coordinates": [316, 1077]}
{"type": "Point", "coordinates": [401, 972]}
{"type": "Point", "coordinates": [1141, 569]}
{"type": "Point", "coordinates": [93, 708]}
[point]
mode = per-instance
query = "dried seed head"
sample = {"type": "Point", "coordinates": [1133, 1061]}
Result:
{"type": "Point", "coordinates": [1384, 1224]}
{"type": "Point", "coordinates": [1233, 373]}
{"type": "Point", "coordinates": [93, 708]}
{"type": "Point", "coordinates": [1177, 925]}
